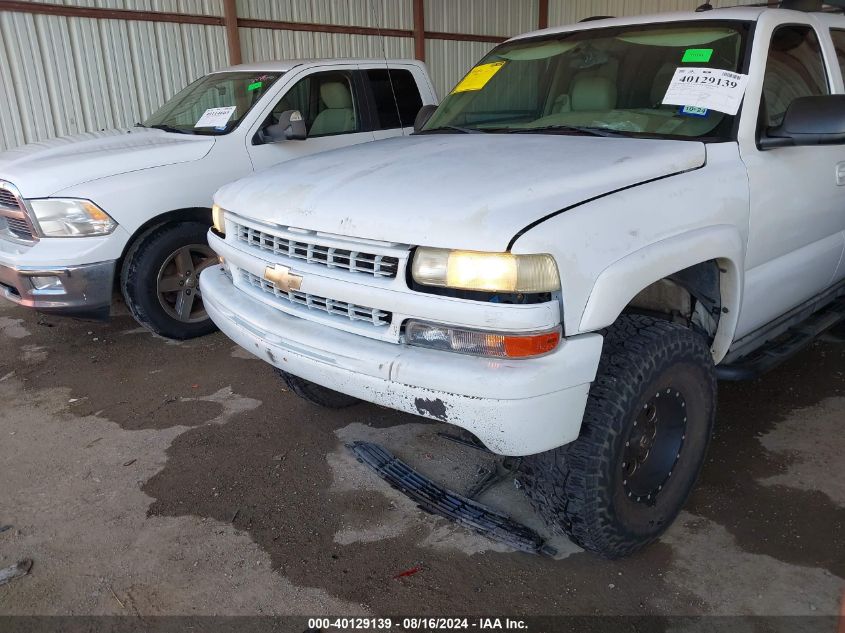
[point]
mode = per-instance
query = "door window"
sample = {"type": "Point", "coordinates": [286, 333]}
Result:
{"type": "Point", "coordinates": [327, 103]}
{"type": "Point", "coordinates": [838, 37]}
{"type": "Point", "coordinates": [397, 104]}
{"type": "Point", "coordinates": [795, 68]}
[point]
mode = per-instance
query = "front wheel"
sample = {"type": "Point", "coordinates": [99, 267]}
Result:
{"type": "Point", "coordinates": [646, 428]}
{"type": "Point", "coordinates": [160, 280]}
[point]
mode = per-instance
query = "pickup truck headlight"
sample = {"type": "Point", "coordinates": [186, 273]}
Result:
{"type": "Point", "coordinates": [218, 219]}
{"type": "Point", "coordinates": [494, 272]}
{"type": "Point", "coordinates": [71, 217]}
{"type": "Point", "coordinates": [480, 343]}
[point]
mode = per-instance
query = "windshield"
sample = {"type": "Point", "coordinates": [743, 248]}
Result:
{"type": "Point", "coordinates": [214, 104]}
{"type": "Point", "coordinates": [606, 82]}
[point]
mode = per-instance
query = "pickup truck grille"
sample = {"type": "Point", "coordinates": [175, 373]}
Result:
{"type": "Point", "coordinates": [376, 317]}
{"type": "Point", "coordinates": [14, 221]}
{"type": "Point", "coordinates": [8, 200]}
{"type": "Point", "coordinates": [314, 253]}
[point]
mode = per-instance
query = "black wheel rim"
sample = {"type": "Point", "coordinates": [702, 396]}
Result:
{"type": "Point", "coordinates": [654, 445]}
{"type": "Point", "coordinates": [177, 283]}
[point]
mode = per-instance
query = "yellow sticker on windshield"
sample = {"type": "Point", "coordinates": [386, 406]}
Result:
{"type": "Point", "coordinates": [478, 77]}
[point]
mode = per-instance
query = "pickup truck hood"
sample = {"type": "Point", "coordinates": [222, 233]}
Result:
{"type": "Point", "coordinates": [469, 191]}
{"type": "Point", "coordinates": [45, 168]}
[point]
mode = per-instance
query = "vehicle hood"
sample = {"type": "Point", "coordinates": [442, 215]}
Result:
{"type": "Point", "coordinates": [469, 191]}
{"type": "Point", "coordinates": [45, 168]}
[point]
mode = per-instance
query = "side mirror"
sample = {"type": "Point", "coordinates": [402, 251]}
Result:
{"type": "Point", "coordinates": [809, 121]}
{"type": "Point", "coordinates": [423, 116]}
{"type": "Point", "coordinates": [291, 126]}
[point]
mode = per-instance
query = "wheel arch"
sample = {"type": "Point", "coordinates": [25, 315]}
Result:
{"type": "Point", "coordinates": [671, 259]}
{"type": "Point", "coordinates": [197, 214]}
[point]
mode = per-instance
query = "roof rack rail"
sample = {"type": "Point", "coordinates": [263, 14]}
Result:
{"type": "Point", "coordinates": [807, 6]}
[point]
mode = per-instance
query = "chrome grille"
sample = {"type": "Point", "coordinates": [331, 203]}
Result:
{"type": "Point", "coordinates": [18, 228]}
{"type": "Point", "coordinates": [350, 311]}
{"type": "Point", "coordinates": [313, 253]}
{"type": "Point", "coordinates": [8, 200]}
{"type": "Point", "coordinates": [14, 222]}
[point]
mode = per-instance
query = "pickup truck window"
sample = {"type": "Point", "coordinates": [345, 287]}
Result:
{"type": "Point", "coordinates": [794, 68]}
{"type": "Point", "coordinates": [606, 81]}
{"type": "Point", "coordinates": [327, 102]}
{"type": "Point", "coordinates": [838, 37]}
{"type": "Point", "coordinates": [234, 93]}
{"type": "Point", "coordinates": [396, 105]}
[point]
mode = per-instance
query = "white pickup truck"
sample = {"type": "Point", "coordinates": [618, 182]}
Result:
{"type": "Point", "coordinates": [596, 223]}
{"type": "Point", "coordinates": [133, 206]}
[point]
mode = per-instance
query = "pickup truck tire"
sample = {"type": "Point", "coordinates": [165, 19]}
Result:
{"type": "Point", "coordinates": [647, 424]}
{"type": "Point", "coordinates": [317, 394]}
{"type": "Point", "coordinates": [159, 280]}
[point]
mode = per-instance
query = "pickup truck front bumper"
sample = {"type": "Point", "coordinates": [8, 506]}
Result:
{"type": "Point", "coordinates": [516, 407]}
{"type": "Point", "coordinates": [84, 290]}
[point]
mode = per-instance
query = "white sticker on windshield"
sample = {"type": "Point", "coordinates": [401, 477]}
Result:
{"type": "Point", "coordinates": [216, 117]}
{"type": "Point", "coordinates": [710, 88]}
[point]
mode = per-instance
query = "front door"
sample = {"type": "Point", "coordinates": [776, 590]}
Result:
{"type": "Point", "coordinates": [797, 193]}
{"type": "Point", "coordinates": [330, 103]}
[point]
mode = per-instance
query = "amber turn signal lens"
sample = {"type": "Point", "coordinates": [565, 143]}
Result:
{"type": "Point", "coordinates": [534, 345]}
{"type": "Point", "coordinates": [480, 343]}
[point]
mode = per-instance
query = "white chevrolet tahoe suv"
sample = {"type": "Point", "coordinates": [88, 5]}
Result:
{"type": "Point", "coordinates": [595, 224]}
{"type": "Point", "coordinates": [134, 205]}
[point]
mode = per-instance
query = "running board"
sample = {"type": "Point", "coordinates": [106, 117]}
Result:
{"type": "Point", "coordinates": [435, 499]}
{"type": "Point", "coordinates": [778, 350]}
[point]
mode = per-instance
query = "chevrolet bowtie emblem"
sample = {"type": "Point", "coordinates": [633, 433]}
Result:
{"type": "Point", "coordinates": [282, 278]}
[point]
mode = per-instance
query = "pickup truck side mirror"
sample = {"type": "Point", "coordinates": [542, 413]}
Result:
{"type": "Point", "coordinates": [423, 116]}
{"type": "Point", "coordinates": [291, 126]}
{"type": "Point", "coordinates": [809, 121]}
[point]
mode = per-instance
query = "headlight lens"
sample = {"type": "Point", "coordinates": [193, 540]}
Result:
{"type": "Point", "coordinates": [479, 343]}
{"type": "Point", "coordinates": [70, 217]}
{"type": "Point", "coordinates": [218, 219]}
{"type": "Point", "coordinates": [495, 272]}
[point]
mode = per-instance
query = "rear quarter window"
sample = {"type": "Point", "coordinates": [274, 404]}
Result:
{"type": "Point", "coordinates": [396, 105]}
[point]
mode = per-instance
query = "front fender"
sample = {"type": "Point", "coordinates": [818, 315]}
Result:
{"type": "Point", "coordinates": [620, 282]}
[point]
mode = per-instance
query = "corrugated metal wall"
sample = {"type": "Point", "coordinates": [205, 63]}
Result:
{"type": "Point", "coordinates": [385, 14]}
{"type": "Point", "coordinates": [62, 75]}
{"type": "Point", "coordinates": [197, 7]}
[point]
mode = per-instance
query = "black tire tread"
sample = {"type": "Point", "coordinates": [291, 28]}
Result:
{"type": "Point", "coordinates": [132, 277]}
{"type": "Point", "coordinates": [563, 484]}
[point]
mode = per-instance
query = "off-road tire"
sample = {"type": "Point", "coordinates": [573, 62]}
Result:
{"type": "Point", "coordinates": [578, 488]}
{"type": "Point", "coordinates": [138, 280]}
{"type": "Point", "coordinates": [316, 394]}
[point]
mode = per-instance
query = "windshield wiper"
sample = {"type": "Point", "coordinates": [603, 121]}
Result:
{"type": "Point", "coordinates": [592, 131]}
{"type": "Point", "coordinates": [456, 128]}
{"type": "Point", "coordinates": [169, 128]}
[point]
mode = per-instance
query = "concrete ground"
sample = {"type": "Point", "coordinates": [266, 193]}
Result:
{"type": "Point", "coordinates": [149, 477]}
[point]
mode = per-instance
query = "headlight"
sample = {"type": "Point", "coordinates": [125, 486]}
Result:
{"type": "Point", "coordinates": [218, 219]}
{"type": "Point", "coordinates": [495, 272]}
{"type": "Point", "coordinates": [69, 217]}
{"type": "Point", "coordinates": [480, 343]}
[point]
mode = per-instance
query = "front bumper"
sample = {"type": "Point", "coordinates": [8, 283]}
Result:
{"type": "Point", "coordinates": [84, 290]}
{"type": "Point", "coordinates": [516, 407]}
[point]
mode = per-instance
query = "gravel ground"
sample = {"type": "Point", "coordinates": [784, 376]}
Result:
{"type": "Point", "coordinates": [146, 477]}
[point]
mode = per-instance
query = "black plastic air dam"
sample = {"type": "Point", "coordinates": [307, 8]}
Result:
{"type": "Point", "coordinates": [435, 499]}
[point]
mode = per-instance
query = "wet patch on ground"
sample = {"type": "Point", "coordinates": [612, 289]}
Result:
{"type": "Point", "coordinates": [776, 517]}
{"type": "Point", "coordinates": [233, 477]}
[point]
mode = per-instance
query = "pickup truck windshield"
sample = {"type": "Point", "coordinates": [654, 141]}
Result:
{"type": "Point", "coordinates": [214, 104]}
{"type": "Point", "coordinates": [605, 82]}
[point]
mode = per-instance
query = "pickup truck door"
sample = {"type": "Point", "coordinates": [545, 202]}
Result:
{"type": "Point", "coordinates": [334, 107]}
{"type": "Point", "coordinates": [395, 96]}
{"type": "Point", "coordinates": [797, 194]}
